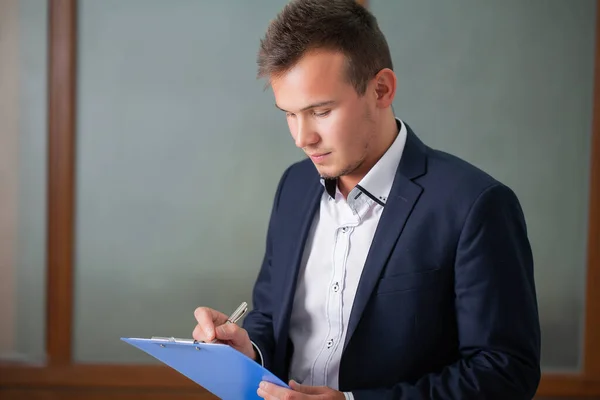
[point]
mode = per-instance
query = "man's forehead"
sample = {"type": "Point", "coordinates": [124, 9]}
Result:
{"type": "Point", "coordinates": [313, 68]}
{"type": "Point", "coordinates": [314, 79]}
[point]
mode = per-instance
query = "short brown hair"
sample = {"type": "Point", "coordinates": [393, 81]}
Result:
{"type": "Point", "coordinates": [338, 25]}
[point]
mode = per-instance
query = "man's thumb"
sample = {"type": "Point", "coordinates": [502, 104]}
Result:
{"type": "Point", "coordinates": [304, 388]}
{"type": "Point", "coordinates": [223, 332]}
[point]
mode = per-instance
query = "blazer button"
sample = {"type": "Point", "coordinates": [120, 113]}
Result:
{"type": "Point", "coordinates": [329, 343]}
{"type": "Point", "coordinates": [336, 287]}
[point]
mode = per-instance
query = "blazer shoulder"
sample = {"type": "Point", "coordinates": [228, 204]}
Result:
{"type": "Point", "coordinates": [458, 174]}
{"type": "Point", "coordinates": [445, 172]}
{"type": "Point", "coordinates": [459, 184]}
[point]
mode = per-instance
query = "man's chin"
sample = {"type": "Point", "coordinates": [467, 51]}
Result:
{"type": "Point", "coordinates": [327, 173]}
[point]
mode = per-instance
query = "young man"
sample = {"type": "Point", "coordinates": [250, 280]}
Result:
{"type": "Point", "coordinates": [392, 270]}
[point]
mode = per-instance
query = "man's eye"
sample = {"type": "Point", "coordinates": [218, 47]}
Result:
{"type": "Point", "coordinates": [321, 114]}
{"type": "Point", "coordinates": [289, 114]}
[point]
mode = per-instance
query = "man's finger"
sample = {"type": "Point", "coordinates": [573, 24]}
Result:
{"type": "Point", "coordinates": [218, 318]}
{"type": "Point", "coordinates": [305, 388]}
{"type": "Point", "coordinates": [226, 331]}
{"type": "Point", "coordinates": [230, 332]}
{"type": "Point", "coordinates": [272, 391]}
{"type": "Point", "coordinates": [207, 319]}
{"type": "Point", "coordinates": [264, 395]}
{"type": "Point", "coordinates": [198, 334]}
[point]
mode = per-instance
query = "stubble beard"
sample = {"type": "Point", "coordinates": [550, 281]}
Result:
{"type": "Point", "coordinates": [347, 170]}
{"type": "Point", "coordinates": [352, 167]}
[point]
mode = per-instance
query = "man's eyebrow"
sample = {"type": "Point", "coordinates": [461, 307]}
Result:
{"type": "Point", "coordinates": [314, 105]}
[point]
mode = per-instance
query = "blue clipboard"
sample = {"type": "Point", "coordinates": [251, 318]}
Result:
{"type": "Point", "coordinates": [219, 368]}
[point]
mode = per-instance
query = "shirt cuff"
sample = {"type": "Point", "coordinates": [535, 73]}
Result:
{"type": "Point", "coordinates": [260, 361]}
{"type": "Point", "coordinates": [348, 395]}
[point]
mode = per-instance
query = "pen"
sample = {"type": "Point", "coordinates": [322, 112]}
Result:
{"type": "Point", "coordinates": [236, 315]}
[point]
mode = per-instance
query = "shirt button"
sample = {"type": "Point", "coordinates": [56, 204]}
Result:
{"type": "Point", "coordinates": [344, 229]}
{"type": "Point", "coordinates": [336, 287]}
{"type": "Point", "coordinates": [329, 343]}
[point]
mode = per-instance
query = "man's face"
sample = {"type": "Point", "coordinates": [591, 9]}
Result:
{"type": "Point", "coordinates": [326, 116]}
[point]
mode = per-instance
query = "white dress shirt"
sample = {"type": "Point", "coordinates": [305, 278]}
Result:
{"type": "Point", "coordinates": [333, 260]}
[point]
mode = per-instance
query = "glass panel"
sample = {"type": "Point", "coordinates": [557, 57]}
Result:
{"type": "Point", "coordinates": [23, 70]}
{"type": "Point", "coordinates": [507, 85]}
{"type": "Point", "coordinates": [179, 151]}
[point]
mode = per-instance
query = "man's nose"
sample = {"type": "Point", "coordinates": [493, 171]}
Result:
{"type": "Point", "coordinates": [305, 134]}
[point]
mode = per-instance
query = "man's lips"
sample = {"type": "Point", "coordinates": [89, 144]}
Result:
{"type": "Point", "coordinates": [318, 156]}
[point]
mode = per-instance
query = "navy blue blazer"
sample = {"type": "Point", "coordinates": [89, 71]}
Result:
{"type": "Point", "coordinates": [446, 304]}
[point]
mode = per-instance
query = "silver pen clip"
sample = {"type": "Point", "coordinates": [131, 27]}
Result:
{"type": "Point", "coordinates": [238, 313]}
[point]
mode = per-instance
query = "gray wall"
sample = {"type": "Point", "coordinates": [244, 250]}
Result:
{"type": "Point", "coordinates": [179, 152]}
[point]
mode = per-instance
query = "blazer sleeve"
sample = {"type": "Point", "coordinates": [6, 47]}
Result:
{"type": "Point", "coordinates": [496, 311]}
{"type": "Point", "coordinates": [259, 321]}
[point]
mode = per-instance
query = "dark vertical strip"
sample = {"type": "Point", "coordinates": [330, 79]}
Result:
{"type": "Point", "coordinates": [591, 350]}
{"type": "Point", "coordinates": [61, 165]}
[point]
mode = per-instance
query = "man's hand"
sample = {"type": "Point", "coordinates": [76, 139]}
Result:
{"type": "Point", "coordinates": [213, 325]}
{"type": "Point", "coordinates": [269, 391]}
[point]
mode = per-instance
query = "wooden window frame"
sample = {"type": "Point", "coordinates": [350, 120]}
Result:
{"type": "Point", "coordinates": [62, 372]}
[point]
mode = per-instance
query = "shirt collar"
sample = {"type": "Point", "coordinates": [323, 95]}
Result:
{"type": "Point", "coordinates": [377, 183]}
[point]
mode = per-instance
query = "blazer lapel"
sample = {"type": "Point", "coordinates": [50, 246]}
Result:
{"type": "Point", "coordinates": [403, 196]}
{"type": "Point", "coordinates": [302, 225]}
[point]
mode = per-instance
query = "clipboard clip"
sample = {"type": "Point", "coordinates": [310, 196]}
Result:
{"type": "Point", "coordinates": [174, 340]}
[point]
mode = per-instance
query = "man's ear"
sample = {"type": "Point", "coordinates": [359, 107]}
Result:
{"type": "Point", "coordinates": [385, 87]}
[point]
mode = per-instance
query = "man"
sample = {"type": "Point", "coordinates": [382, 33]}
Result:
{"type": "Point", "coordinates": [392, 270]}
